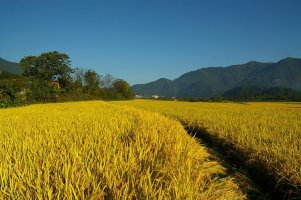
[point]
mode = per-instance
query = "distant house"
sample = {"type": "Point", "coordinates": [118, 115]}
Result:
{"type": "Point", "coordinates": [23, 93]}
{"type": "Point", "coordinates": [155, 96]}
{"type": "Point", "coordinates": [55, 84]}
{"type": "Point", "coordinates": [138, 96]}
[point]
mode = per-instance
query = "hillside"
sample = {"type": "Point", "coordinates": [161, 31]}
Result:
{"type": "Point", "coordinates": [10, 67]}
{"type": "Point", "coordinates": [213, 81]}
{"type": "Point", "coordinates": [285, 73]}
{"type": "Point", "coordinates": [260, 93]}
{"type": "Point", "coordinates": [162, 87]}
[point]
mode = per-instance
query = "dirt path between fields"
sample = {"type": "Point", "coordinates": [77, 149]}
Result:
{"type": "Point", "coordinates": [254, 179]}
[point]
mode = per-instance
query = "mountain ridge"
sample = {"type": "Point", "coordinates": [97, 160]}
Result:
{"type": "Point", "coordinates": [10, 67]}
{"type": "Point", "coordinates": [214, 81]}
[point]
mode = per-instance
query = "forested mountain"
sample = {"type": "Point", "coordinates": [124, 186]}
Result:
{"type": "Point", "coordinates": [162, 87]}
{"type": "Point", "coordinates": [10, 67]}
{"type": "Point", "coordinates": [215, 81]}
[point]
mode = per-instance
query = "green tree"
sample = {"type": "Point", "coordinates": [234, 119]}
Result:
{"type": "Point", "coordinates": [92, 82]}
{"type": "Point", "coordinates": [51, 66]}
{"type": "Point", "coordinates": [122, 88]}
{"type": "Point", "coordinates": [42, 91]}
{"type": "Point", "coordinates": [107, 81]}
{"type": "Point", "coordinates": [13, 91]}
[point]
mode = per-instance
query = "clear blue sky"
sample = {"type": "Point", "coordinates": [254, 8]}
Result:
{"type": "Point", "coordinates": [143, 40]}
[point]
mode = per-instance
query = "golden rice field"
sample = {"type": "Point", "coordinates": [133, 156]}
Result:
{"type": "Point", "coordinates": [96, 150]}
{"type": "Point", "coordinates": [269, 132]}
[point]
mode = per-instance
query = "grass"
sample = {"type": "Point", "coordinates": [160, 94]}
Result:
{"type": "Point", "coordinates": [95, 150]}
{"type": "Point", "coordinates": [269, 133]}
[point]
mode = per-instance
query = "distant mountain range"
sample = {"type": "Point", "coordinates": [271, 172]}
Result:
{"type": "Point", "coordinates": [216, 81]}
{"type": "Point", "coordinates": [10, 67]}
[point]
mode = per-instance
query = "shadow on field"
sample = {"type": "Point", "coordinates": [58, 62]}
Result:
{"type": "Point", "coordinates": [239, 165]}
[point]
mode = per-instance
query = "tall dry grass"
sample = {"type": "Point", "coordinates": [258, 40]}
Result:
{"type": "Point", "coordinates": [94, 150]}
{"type": "Point", "coordinates": [265, 132]}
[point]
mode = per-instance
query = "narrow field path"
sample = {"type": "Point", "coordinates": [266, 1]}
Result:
{"type": "Point", "coordinates": [254, 179]}
{"type": "Point", "coordinates": [242, 178]}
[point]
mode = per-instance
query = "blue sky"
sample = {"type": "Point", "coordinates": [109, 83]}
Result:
{"type": "Point", "coordinates": [144, 40]}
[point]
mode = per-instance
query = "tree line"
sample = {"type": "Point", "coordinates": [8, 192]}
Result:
{"type": "Point", "coordinates": [50, 77]}
{"type": "Point", "coordinates": [262, 93]}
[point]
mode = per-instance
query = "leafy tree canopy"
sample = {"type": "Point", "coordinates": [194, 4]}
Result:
{"type": "Point", "coordinates": [122, 87]}
{"type": "Point", "coordinates": [51, 66]}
